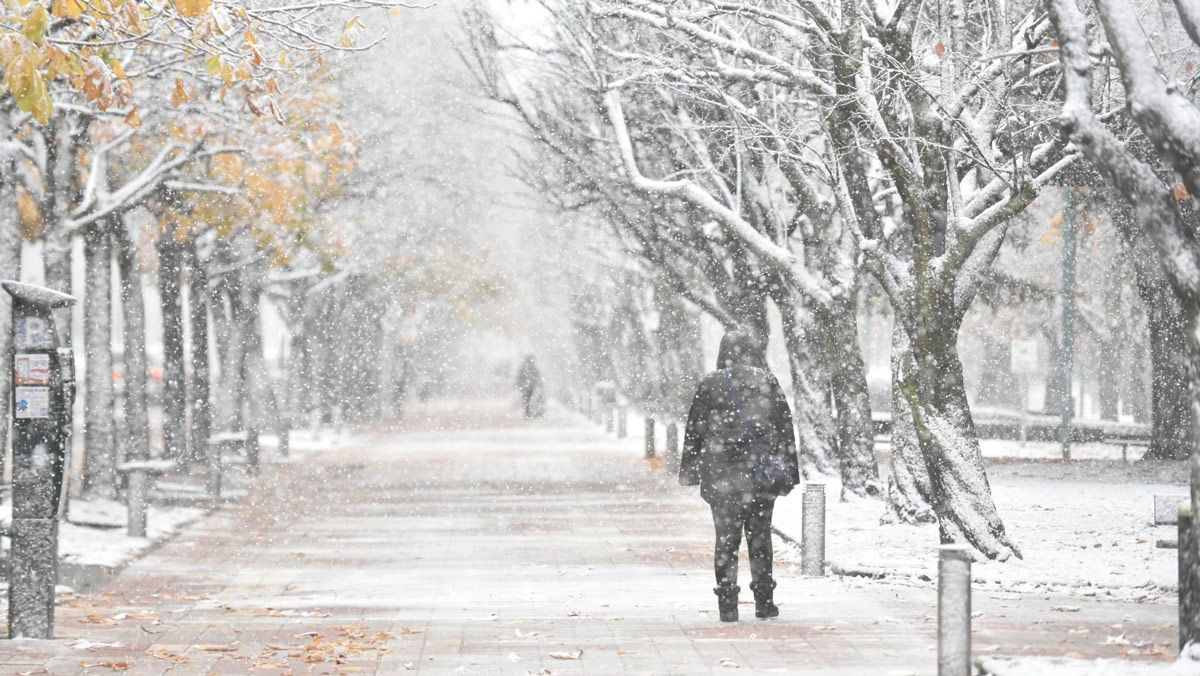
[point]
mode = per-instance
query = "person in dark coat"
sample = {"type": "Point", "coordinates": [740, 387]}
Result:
{"type": "Point", "coordinates": [740, 448]}
{"type": "Point", "coordinates": [529, 382]}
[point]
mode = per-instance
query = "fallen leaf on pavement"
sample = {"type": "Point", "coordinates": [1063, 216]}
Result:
{"type": "Point", "coordinates": [112, 665]}
{"type": "Point", "coordinates": [217, 648]}
{"type": "Point", "coordinates": [93, 618]}
{"type": "Point", "coordinates": [163, 653]}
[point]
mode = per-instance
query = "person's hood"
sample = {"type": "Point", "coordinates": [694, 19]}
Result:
{"type": "Point", "coordinates": [740, 347]}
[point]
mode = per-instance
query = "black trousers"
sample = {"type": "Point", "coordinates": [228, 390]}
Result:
{"type": "Point", "coordinates": [731, 518]}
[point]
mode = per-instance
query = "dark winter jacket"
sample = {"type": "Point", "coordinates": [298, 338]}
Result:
{"type": "Point", "coordinates": [738, 426]}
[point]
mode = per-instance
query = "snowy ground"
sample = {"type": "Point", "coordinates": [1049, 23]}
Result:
{"type": "Point", "coordinates": [495, 545]}
{"type": "Point", "coordinates": [1060, 666]}
{"type": "Point", "coordinates": [95, 533]}
{"type": "Point", "coordinates": [1084, 526]}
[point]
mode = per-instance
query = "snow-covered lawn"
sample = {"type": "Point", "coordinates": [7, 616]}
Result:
{"type": "Point", "coordinates": [95, 534]}
{"type": "Point", "coordinates": [1061, 666]}
{"type": "Point", "coordinates": [1085, 526]}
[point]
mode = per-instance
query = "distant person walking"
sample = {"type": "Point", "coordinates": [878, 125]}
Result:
{"type": "Point", "coordinates": [533, 394]}
{"type": "Point", "coordinates": [740, 448]}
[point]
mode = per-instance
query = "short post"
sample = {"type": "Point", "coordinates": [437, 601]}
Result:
{"type": "Point", "coordinates": [650, 450]}
{"type": "Point", "coordinates": [954, 611]}
{"type": "Point", "coordinates": [136, 504]}
{"type": "Point", "coordinates": [252, 459]}
{"type": "Point", "coordinates": [214, 469]}
{"type": "Point", "coordinates": [1189, 591]}
{"type": "Point", "coordinates": [672, 450]}
{"type": "Point", "coordinates": [812, 534]}
{"type": "Point", "coordinates": [622, 422]}
{"type": "Point", "coordinates": [43, 390]}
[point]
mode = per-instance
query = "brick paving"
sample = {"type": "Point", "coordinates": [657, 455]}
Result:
{"type": "Point", "coordinates": [472, 542]}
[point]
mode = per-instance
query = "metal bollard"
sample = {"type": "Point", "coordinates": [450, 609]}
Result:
{"type": "Point", "coordinates": [214, 470]}
{"type": "Point", "coordinates": [622, 422]}
{"type": "Point", "coordinates": [672, 450]}
{"type": "Point", "coordinates": [812, 536]}
{"type": "Point", "coordinates": [137, 504]}
{"type": "Point", "coordinates": [253, 463]}
{"type": "Point", "coordinates": [954, 611]}
{"type": "Point", "coordinates": [1189, 593]}
{"type": "Point", "coordinates": [650, 450]}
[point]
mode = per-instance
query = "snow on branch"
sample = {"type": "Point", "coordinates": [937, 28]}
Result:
{"type": "Point", "coordinates": [730, 221]}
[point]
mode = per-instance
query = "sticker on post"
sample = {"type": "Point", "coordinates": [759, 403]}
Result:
{"type": "Point", "coordinates": [32, 402]}
{"type": "Point", "coordinates": [31, 369]}
{"type": "Point", "coordinates": [33, 332]}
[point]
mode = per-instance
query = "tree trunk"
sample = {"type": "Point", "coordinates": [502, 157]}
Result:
{"type": "Point", "coordinates": [961, 495]}
{"type": "Point", "coordinates": [200, 386]}
{"type": "Point", "coordinates": [816, 435]}
{"type": "Point", "coordinates": [60, 192]}
{"type": "Point", "coordinates": [133, 315]}
{"type": "Point", "coordinates": [1135, 392]}
{"type": "Point", "coordinates": [100, 455]}
{"type": "Point", "coordinates": [243, 318]}
{"type": "Point", "coordinates": [848, 383]}
{"type": "Point", "coordinates": [298, 370]}
{"type": "Point", "coordinates": [1171, 434]}
{"type": "Point", "coordinates": [10, 268]}
{"type": "Point", "coordinates": [174, 388]}
{"type": "Point", "coordinates": [1052, 401]}
{"type": "Point", "coordinates": [909, 494]}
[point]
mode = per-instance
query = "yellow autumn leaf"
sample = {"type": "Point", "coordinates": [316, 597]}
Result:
{"type": "Point", "coordinates": [68, 9]}
{"type": "Point", "coordinates": [192, 8]}
{"type": "Point", "coordinates": [179, 96]}
{"type": "Point", "coordinates": [27, 207]}
{"type": "Point", "coordinates": [41, 106]}
{"type": "Point", "coordinates": [36, 24]}
{"type": "Point", "coordinates": [133, 118]}
{"type": "Point", "coordinates": [212, 65]}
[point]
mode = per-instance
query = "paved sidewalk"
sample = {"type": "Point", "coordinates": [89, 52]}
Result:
{"type": "Point", "coordinates": [494, 546]}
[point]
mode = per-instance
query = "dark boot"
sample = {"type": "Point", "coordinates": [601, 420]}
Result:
{"type": "Point", "coordinates": [764, 600]}
{"type": "Point", "coordinates": [727, 601]}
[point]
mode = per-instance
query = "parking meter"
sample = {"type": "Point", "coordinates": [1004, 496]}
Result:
{"type": "Point", "coordinates": [43, 391]}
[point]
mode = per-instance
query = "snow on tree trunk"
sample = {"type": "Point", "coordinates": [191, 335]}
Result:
{"type": "Point", "coordinates": [961, 495]}
{"type": "Point", "coordinates": [136, 432]}
{"type": "Point", "coordinates": [60, 192]}
{"type": "Point", "coordinates": [908, 493]}
{"type": "Point", "coordinates": [10, 268]}
{"type": "Point", "coordinates": [100, 454]}
{"type": "Point", "coordinates": [174, 388]}
{"type": "Point", "coordinates": [199, 391]}
{"type": "Point", "coordinates": [848, 383]}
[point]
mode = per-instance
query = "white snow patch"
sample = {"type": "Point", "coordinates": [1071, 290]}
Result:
{"type": "Point", "coordinates": [103, 540]}
{"type": "Point", "coordinates": [1062, 666]}
{"type": "Point", "coordinates": [1083, 527]}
